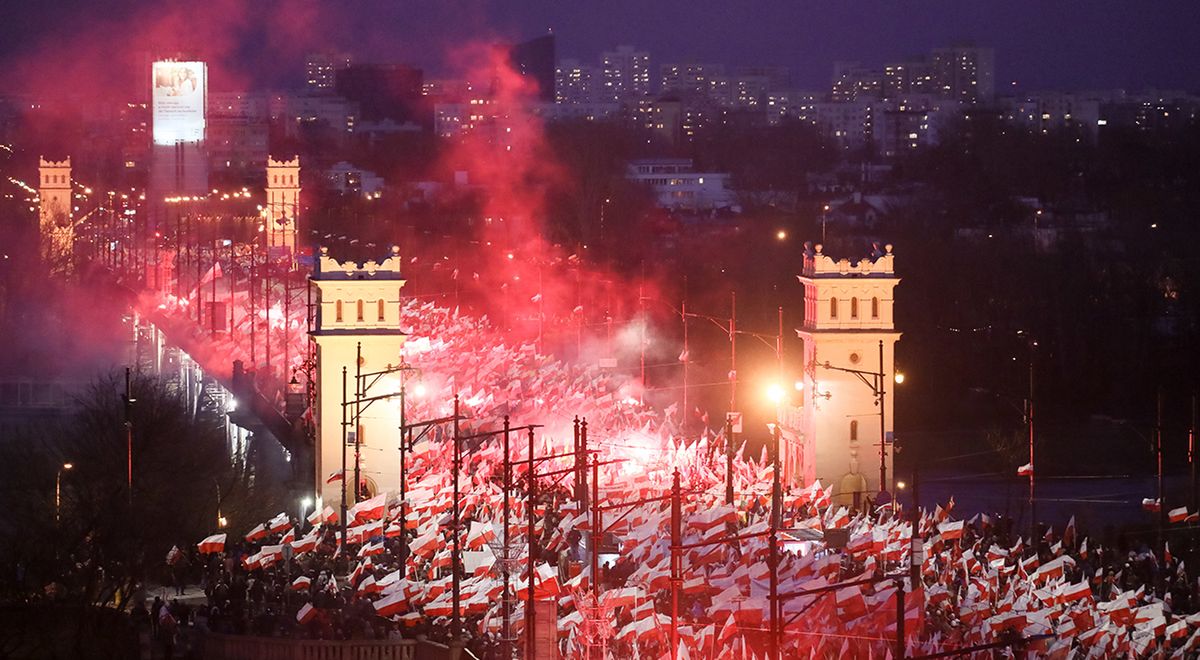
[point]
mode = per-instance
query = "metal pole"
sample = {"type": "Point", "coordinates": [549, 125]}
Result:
{"type": "Point", "coordinates": [642, 312]}
{"type": "Point", "coordinates": [57, 495]}
{"type": "Point", "coordinates": [530, 616]}
{"type": "Point", "coordinates": [773, 541]}
{"type": "Point", "coordinates": [356, 421]}
{"type": "Point", "coordinates": [455, 560]}
{"type": "Point", "coordinates": [1158, 456]}
{"type": "Point", "coordinates": [1033, 537]}
{"type": "Point", "coordinates": [685, 411]}
{"type": "Point", "coordinates": [728, 459]}
{"type": "Point", "coordinates": [345, 426]}
{"type": "Point", "coordinates": [900, 619]}
{"type": "Point", "coordinates": [504, 567]}
{"type": "Point", "coordinates": [1192, 457]}
{"type": "Point", "coordinates": [881, 392]}
{"type": "Point", "coordinates": [583, 449]}
{"type": "Point", "coordinates": [597, 536]}
{"type": "Point", "coordinates": [676, 560]}
{"type": "Point", "coordinates": [128, 437]}
{"type": "Point", "coordinates": [580, 466]}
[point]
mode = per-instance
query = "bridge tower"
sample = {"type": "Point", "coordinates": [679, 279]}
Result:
{"type": "Point", "coordinates": [849, 339]}
{"type": "Point", "coordinates": [56, 231]}
{"type": "Point", "coordinates": [356, 305]}
{"type": "Point", "coordinates": [282, 210]}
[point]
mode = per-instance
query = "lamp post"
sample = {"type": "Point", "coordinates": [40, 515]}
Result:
{"type": "Point", "coordinates": [58, 492]}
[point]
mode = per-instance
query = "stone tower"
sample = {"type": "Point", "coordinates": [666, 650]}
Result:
{"type": "Point", "coordinates": [283, 203]}
{"type": "Point", "coordinates": [849, 340]}
{"type": "Point", "coordinates": [357, 305]}
{"type": "Point", "coordinates": [56, 231]}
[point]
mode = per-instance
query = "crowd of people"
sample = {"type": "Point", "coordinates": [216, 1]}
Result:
{"type": "Point", "coordinates": [978, 581]}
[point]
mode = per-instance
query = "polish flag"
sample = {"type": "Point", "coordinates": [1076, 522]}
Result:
{"type": "Point", "coordinates": [372, 509]}
{"type": "Point", "coordinates": [1025, 470]}
{"type": "Point", "coordinates": [336, 476]}
{"type": "Point", "coordinates": [392, 604]}
{"type": "Point", "coordinates": [1177, 515]}
{"type": "Point", "coordinates": [256, 534]}
{"type": "Point", "coordinates": [306, 614]}
{"type": "Point", "coordinates": [279, 523]}
{"type": "Point", "coordinates": [289, 537]}
{"type": "Point", "coordinates": [306, 544]}
{"type": "Point", "coordinates": [214, 543]}
{"type": "Point", "coordinates": [1076, 592]}
{"type": "Point", "coordinates": [951, 531]}
{"type": "Point", "coordinates": [301, 583]}
{"type": "Point", "coordinates": [850, 603]}
{"type": "Point", "coordinates": [1151, 504]}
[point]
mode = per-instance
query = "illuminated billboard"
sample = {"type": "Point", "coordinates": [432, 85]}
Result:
{"type": "Point", "coordinates": [178, 98]}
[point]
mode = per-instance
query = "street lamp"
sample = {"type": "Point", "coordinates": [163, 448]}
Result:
{"type": "Point", "coordinates": [58, 491]}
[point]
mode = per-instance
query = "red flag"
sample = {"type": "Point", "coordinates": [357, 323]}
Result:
{"type": "Point", "coordinates": [306, 614]}
{"type": "Point", "coordinates": [301, 583]}
{"type": "Point", "coordinates": [1025, 470]}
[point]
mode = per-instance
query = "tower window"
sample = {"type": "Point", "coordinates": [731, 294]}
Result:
{"type": "Point", "coordinates": [854, 430]}
{"type": "Point", "coordinates": [854, 308]}
{"type": "Point", "coordinates": [360, 310]}
{"type": "Point", "coordinates": [381, 310]}
{"type": "Point", "coordinates": [338, 311]}
{"type": "Point", "coordinates": [833, 308]}
{"type": "Point", "coordinates": [875, 308]}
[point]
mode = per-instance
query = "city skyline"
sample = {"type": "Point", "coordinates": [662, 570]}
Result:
{"type": "Point", "coordinates": [1105, 45]}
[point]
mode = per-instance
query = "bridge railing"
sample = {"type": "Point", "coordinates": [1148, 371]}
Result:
{"type": "Point", "coordinates": [242, 647]}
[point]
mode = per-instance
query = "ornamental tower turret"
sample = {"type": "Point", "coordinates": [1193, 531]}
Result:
{"type": "Point", "coordinates": [849, 337]}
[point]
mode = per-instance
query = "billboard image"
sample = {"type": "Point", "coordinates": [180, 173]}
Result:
{"type": "Point", "coordinates": [179, 101]}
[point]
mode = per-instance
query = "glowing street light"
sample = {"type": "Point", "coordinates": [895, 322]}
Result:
{"type": "Point", "coordinates": [781, 235]}
{"type": "Point", "coordinates": [899, 378]}
{"type": "Point", "coordinates": [775, 393]}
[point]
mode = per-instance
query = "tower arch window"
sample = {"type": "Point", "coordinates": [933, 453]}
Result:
{"type": "Point", "coordinates": [875, 307]}
{"type": "Point", "coordinates": [854, 308]}
{"type": "Point", "coordinates": [381, 309]}
{"type": "Point", "coordinates": [338, 311]}
{"type": "Point", "coordinates": [854, 430]}
{"type": "Point", "coordinates": [833, 308]}
{"type": "Point", "coordinates": [360, 309]}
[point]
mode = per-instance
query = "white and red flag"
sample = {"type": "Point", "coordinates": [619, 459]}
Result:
{"type": "Point", "coordinates": [214, 543]}
{"type": "Point", "coordinates": [301, 583]}
{"type": "Point", "coordinates": [306, 614]}
{"type": "Point", "coordinates": [1025, 470]}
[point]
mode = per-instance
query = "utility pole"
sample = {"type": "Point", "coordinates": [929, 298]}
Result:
{"type": "Point", "coordinates": [1192, 457]}
{"type": "Point", "coordinates": [583, 450]}
{"type": "Point", "coordinates": [676, 560]}
{"type": "Point", "coordinates": [345, 429]}
{"type": "Point", "coordinates": [597, 537]}
{"type": "Point", "coordinates": [580, 466]}
{"type": "Point", "coordinates": [128, 436]}
{"type": "Point", "coordinates": [504, 565]}
{"type": "Point", "coordinates": [1158, 455]}
{"type": "Point", "coordinates": [456, 558]}
{"type": "Point", "coordinates": [357, 421]}
{"type": "Point", "coordinates": [728, 459]}
{"type": "Point", "coordinates": [773, 543]}
{"type": "Point", "coordinates": [881, 392]}
{"type": "Point", "coordinates": [530, 610]}
{"type": "Point", "coordinates": [1033, 536]}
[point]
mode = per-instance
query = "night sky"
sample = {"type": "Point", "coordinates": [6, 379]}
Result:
{"type": "Point", "coordinates": [1040, 43]}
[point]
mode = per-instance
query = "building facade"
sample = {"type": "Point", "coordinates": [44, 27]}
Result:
{"type": "Point", "coordinates": [849, 338]}
{"type": "Point", "coordinates": [56, 229]}
{"type": "Point", "coordinates": [357, 314]}
{"type": "Point", "coordinates": [282, 210]}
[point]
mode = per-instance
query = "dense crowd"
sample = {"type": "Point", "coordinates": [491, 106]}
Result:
{"type": "Point", "coordinates": [979, 580]}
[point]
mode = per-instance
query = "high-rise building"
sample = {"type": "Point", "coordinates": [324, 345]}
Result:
{"type": "Point", "coordinates": [625, 75]}
{"type": "Point", "coordinates": [320, 70]}
{"type": "Point", "coordinates": [534, 60]}
{"type": "Point", "coordinates": [964, 74]}
{"type": "Point", "coordinates": [900, 78]}
{"type": "Point", "coordinates": [691, 80]}
{"type": "Point", "coordinates": [575, 83]}
{"type": "Point", "coordinates": [855, 82]}
{"type": "Point", "coordinates": [237, 134]}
